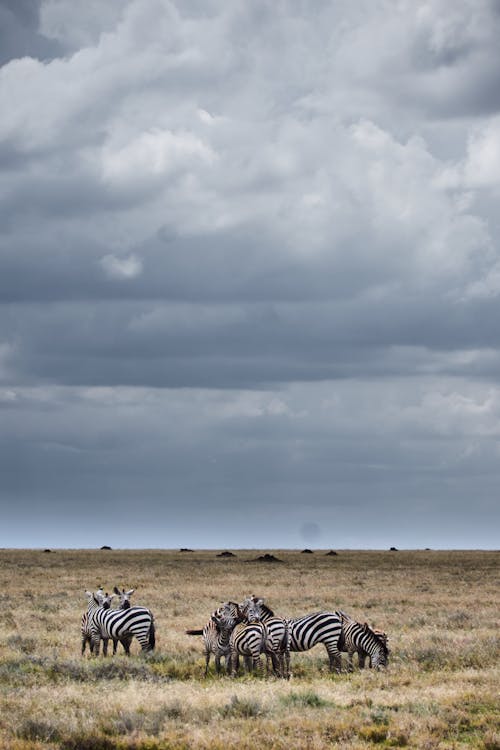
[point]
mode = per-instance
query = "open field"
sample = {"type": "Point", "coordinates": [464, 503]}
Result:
{"type": "Point", "coordinates": [440, 610]}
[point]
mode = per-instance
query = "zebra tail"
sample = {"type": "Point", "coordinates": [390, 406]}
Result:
{"type": "Point", "coordinates": [194, 632]}
{"type": "Point", "coordinates": [152, 638]}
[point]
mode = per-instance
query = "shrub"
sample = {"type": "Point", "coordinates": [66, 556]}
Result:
{"type": "Point", "coordinates": [304, 698]}
{"type": "Point", "coordinates": [242, 708]}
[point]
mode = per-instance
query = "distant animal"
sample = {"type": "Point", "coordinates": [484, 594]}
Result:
{"type": "Point", "coordinates": [361, 639]}
{"type": "Point", "coordinates": [120, 624]}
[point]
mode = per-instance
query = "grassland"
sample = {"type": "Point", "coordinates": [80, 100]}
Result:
{"type": "Point", "coordinates": [440, 610]}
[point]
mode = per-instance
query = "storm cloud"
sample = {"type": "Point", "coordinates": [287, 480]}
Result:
{"type": "Point", "coordinates": [249, 273]}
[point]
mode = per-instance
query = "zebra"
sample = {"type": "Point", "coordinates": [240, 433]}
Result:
{"type": "Point", "coordinates": [120, 624]}
{"type": "Point", "coordinates": [105, 601]}
{"type": "Point", "coordinates": [365, 641]}
{"type": "Point", "coordinates": [247, 639]}
{"type": "Point", "coordinates": [318, 627]}
{"type": "Point", "coordinates": [85, 629]}
{"type": "Point", "coordinates": [216, 641]}
{"type": "Point", "coordinates": [305, 632]}
{"type": "Point", "coordinates": [278, 635]}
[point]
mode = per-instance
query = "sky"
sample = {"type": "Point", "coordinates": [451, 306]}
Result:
{"type": "Point", "coordinates": [250, 273]}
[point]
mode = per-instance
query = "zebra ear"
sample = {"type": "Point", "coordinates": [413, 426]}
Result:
{"type": "Point", "coordinates": [128, 593]}
{"type": "Point", "coordinates": [115, 589]}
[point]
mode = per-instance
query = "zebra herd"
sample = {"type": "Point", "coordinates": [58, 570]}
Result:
{"type": "Point", "coordinates": [247, 629]}
{"type": "Point", "coordinates": [251, 628]}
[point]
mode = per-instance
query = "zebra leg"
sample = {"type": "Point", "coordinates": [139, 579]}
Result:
{"type": "Point", "coordinates": [256, 663]}
{"type": "Point", "coordinates": [105, 646]}
{"type": "Point", "coordinates": [276, 662]}
{"type": "Point", "coordinates": [207, 661]}
{"type": "Point", "coordinates": [335, 659]}
{"type": "Point", "coordinates": [350, 665]}
{"type": "Point", "coordinates": [361, 659]}
{"type": "Point", "coordinates": [286, 661]}
{"type": "Point", "coordinates": [95, 642]}
{"type": "Point", "coordinates": [126, 641]}
{"type": "Point", "coordinates": [233, 663]}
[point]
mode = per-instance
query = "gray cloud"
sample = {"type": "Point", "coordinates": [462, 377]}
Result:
{"type": "Point", "coordinates": [248, 258]}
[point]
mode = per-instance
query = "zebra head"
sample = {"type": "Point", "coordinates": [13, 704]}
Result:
{"type": "Point", "coordinates": [124, 597]}
{"type": "Point", "coordinates": [250, 608]}
{"type": "Point", "coordinates": [227, 615]}
{"type": "Point", "coordinates": [254, 603]}
{"type": "Point", "coordinates": [104, 599]}
{"type": "Point", "coordinates": [379, 653]}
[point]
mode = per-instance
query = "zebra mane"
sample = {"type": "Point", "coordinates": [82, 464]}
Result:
{"type": "Point", "coordinates": [266, 610]}
{"type": "Point", "coordinates": [382, 642]}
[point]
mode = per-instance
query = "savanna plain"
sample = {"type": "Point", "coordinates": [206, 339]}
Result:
{"type": "Point", "coordinates": [438, 608]}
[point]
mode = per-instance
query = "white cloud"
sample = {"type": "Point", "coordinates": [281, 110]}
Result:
{"type": "Point", "coordinates": [121, 268]}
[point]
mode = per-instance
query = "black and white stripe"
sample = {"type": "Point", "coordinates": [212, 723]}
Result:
{"type": "Point", "coordinates": [120, 624]}
{"type": "Point", "coordinates": [278, 638]}
{"type": "Point", "coordinates": [216, 642]}
{"type": "Point", "coordinates": [318, 627]}
{"type": "Point", "coordinates": [359, 637]}
{"type": "Point", "coordinates": [247, 639]}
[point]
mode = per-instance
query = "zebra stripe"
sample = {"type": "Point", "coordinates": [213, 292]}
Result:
{"type": "Point", "coordinates": [86, 634]}
{"type": "Point", "coordinates": [216, 641]}
{"type": "Point", "coordinates": [247, 640]}
{"type": "Point", "coordinates": [278, 636]}
{"type": "Point", "coordinates": [318, 627]}
{"type": "Point", "coordinates": [105, 601]}
{"type": "Point", "coordinates": [360, 638]}
{"type": "Point", "coordinates": [115, 623]}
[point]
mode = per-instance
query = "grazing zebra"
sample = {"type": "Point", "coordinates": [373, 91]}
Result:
{"type": "Point", "coordinates": [247, 639]}
{"type": "Point", "coordinates": [120, 624]}
{"type": "Point", "coordinates": [318, 627]}
{"type": "Point", "coordinates": [216, 641]}
{"type": "Point", "coordinates": [278, 635]}
{"type": "Point", "coordinates": [365, 641]}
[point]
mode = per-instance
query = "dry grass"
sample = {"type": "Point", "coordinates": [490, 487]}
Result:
{"type": "Point", "coordinates": [440, 691]}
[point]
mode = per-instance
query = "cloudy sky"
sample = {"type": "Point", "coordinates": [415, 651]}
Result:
{"type": "Point", "coordinates": [250, 273]}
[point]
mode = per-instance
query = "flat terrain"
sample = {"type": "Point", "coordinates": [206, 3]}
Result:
{"type": "Point", "coordinates": [440, 610]}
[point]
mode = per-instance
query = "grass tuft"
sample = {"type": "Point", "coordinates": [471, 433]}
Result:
{"type": "Point", "coordinates": [305, 698]}
{"type": "Point", "coordinates": [243, 708]}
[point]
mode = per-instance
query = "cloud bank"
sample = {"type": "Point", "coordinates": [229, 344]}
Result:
{"type": "Point", "coordinates": [249, 273]}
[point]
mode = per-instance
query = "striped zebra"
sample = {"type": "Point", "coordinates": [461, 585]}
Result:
{"type": "Point", "coordinates": [120, 624]}
{"type": "Point", "coordinates": [318, 627]}
{"type": "Point", "coordinates": [309, 630]}
{"type": "Point", "coordinates": [85, 629]}
{"type": "Point", "coordinates": [105, 601]}
{"type": "Point", "coordinates": [278, 635]}
{"type": "Point", "coordinates": [247, 639]}
{"type": "Point", "coordinates": [360, 638]}
{"type": "Point", "coordinates": [215, 641]}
